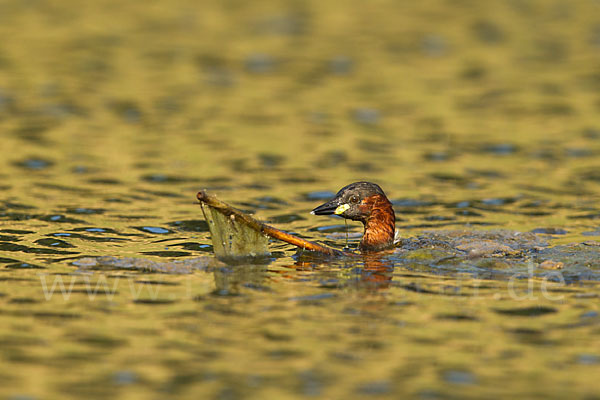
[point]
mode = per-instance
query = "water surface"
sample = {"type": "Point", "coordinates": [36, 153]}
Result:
{"type": "Point", "coordinates": [474, 117]}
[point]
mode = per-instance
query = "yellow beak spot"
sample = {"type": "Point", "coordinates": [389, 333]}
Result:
{"type": "Point", "coordinates": [341, 209]}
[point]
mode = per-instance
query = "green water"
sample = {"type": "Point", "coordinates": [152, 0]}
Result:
{"type": "Point", "coordinates": [473, 116]}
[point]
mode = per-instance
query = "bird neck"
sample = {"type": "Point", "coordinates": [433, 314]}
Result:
{"type": "Point", "coordinates": [380, 226]}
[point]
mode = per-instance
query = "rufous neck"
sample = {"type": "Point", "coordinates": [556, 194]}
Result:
{"type": "Point", "coordinates": [380, 226]}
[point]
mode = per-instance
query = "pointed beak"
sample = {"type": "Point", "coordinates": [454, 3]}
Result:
{"type": "Point", "coordinates": [331, 207]}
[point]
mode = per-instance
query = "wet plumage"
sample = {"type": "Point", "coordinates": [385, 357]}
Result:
{"type": "Point", "coordinates": [365, 202]}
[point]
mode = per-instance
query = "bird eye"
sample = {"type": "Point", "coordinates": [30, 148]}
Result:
{"type": "Point", "coordinates": [354, 199]}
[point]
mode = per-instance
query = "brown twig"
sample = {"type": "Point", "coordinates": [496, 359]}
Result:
{"type": "Point", "coordinates": [275, 233]}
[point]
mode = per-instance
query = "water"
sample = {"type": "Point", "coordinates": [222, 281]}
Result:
{"type": "Point", "coordinates": [474, 117]}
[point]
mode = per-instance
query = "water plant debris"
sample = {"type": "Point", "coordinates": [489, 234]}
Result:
{"type": "Point", "coordinates": [237, 234]}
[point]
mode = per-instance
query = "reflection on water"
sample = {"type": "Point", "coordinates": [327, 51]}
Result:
{"type": "Point", "coordinates": [479, 120]}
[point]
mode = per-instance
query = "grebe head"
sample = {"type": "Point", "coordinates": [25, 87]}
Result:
{"type": "Point", "coordinates": [365, 202]}
{"type": "Point", "coordinates": [352, 201]}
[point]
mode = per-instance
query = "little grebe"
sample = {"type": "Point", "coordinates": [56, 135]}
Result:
{"type": "Point", "coordinates": [365, 202]}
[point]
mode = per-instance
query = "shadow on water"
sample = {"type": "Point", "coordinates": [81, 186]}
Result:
{"type": "Point", "coordinates": [369, 272]}
{"type": "Point", "coordinates": [233, 280]}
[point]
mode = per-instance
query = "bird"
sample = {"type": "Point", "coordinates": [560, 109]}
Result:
{"type": "Point", "coordinates": [365, 202]}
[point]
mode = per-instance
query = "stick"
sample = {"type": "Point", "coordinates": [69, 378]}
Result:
{"type": "Point", "coordinates": [275, 233]}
